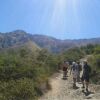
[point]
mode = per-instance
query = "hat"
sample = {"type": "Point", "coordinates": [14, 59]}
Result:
{"type": "Point", "coordinates": [73, 63]}
{"type": "Point", "coordinates": [85, 61]}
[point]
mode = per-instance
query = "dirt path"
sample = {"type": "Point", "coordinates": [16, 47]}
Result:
{"type": "Point", "coordinates": [62, 90]}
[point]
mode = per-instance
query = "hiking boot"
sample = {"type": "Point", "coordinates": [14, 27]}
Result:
{"type": "Point", "coordinates": [74, 86]}
{"type": "Point", "coordinates": [83, 90]}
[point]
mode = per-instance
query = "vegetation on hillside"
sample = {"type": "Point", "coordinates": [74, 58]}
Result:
{"type": "Point", "coordinates": [94, 61]}
{"type": "Point", "coordinates": [22, 72]}
{"type": "Point", "coordinates": [70, 55]}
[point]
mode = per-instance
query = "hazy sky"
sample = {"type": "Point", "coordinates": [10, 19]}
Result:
{"type": "Point", "coordinates": [64, 19]}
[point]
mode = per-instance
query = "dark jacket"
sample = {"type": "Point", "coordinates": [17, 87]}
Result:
{"type": "Point", "coordinates": [86, 70]}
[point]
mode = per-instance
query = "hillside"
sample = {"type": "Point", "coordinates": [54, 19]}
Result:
{"type": "Point", "coordinates": [28, 45]}
{"type": "Point", "coordinates": [20, 37]}
{"type": "Point", "coordinates": [23, 69]}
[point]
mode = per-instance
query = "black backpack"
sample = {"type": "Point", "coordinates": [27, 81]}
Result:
{"type": "Point", "coordinates": [74, 67]}
{"type": "Point", "coordinates": [87, 69]}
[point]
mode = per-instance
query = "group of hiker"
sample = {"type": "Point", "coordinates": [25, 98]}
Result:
{"type": "Point", "coordinates": [80, 73]}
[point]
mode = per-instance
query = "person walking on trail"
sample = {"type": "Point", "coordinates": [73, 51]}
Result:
{"type": "Point", "coordinates": [65, 69]}
{"type": "Point", "coordinates": [86, 75]}
{"type": "Point", "coordinates": [79, 69]}
{"type": "Point", "coordinates": [74, 71]}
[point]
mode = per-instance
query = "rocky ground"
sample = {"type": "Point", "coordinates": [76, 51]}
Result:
{"type": "Point", "coordinates": [62, 90]}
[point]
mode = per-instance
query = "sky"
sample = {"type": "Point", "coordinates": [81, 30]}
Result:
{"type": "Point", "coordinates": [63, 19]}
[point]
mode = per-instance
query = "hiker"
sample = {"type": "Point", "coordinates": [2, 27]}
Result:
{"type": "Point", "coordinates": [74, 72]}
{"type": "Point", "coordinates": [65, 69]}
{"type": "Point", "coordinates": [86, 75]}
{"type": "Point", "coordinates": [79, 69]}
{"type": "Point", "coordinates": [70, 62]}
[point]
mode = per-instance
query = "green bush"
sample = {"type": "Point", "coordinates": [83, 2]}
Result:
{"type": "Point", "coordinates": [94, 61]}
{"type": "Point", "coordinates": [22, 73]}
{"type": "Point", "coordinates": [23, 89]}
{"type": "Point", "coordinates": [72, 54]}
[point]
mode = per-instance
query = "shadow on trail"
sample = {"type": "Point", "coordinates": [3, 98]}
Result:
{"type": "Point", "coordinates": [65, 78]}
{"type": "Point", "coordinates": [87, 93]}
{"type": "Point", "coordinates": [75, 88]}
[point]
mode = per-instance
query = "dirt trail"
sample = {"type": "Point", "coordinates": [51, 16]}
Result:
{"type": "Point", "coordinates": [62, 90]}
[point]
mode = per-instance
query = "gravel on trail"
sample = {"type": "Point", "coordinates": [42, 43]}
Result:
{"type": "Point", "coordinates": [62, 90]}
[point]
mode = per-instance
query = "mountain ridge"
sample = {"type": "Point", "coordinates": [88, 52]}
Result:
{"type": "Point", "coordinates": [19, 37]}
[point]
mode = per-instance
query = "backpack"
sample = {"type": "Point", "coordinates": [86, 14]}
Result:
{"type": "Point", "coordinates": [87, 70]}
{"type": "Point", "coordinates": [74, 67]}
{"type": "Point", "coordinates": [64, 68]}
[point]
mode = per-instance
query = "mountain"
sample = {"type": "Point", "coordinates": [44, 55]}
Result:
{"type": "Point", "coordinates": [29, 45]}
{"type": "Point", "coordinates": [20, 37]}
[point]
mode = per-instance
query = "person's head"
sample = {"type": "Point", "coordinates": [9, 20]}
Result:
{"type": "Point", "coordinates": [64, 61]}
{"type": "Point", "coordinates": [74, 63]}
